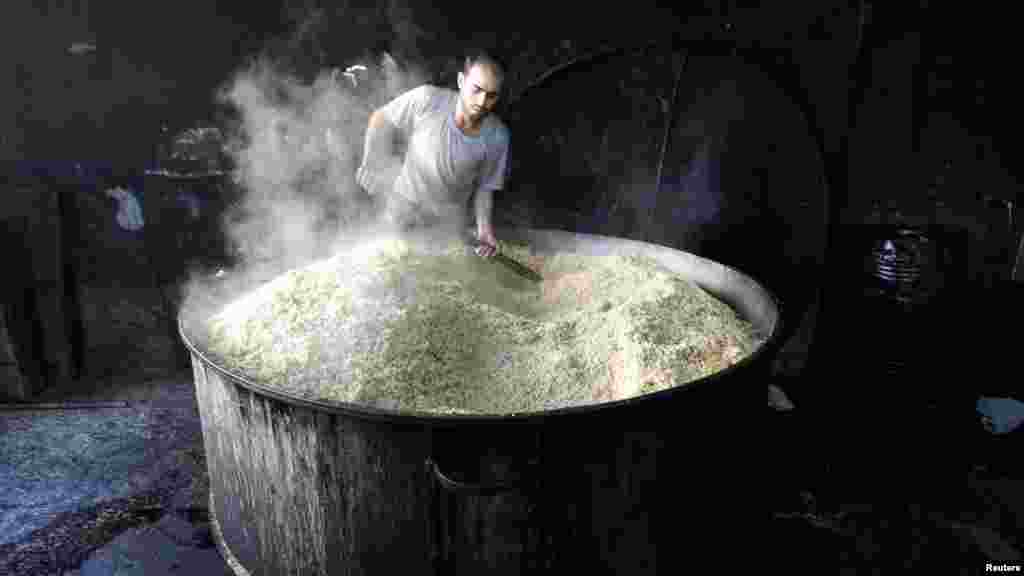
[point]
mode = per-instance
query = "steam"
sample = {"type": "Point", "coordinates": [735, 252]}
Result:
{"type": "Point", "coordinates": [296, 148]}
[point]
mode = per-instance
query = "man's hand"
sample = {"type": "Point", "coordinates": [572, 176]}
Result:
{"type": "Point", "coordinates": [488, 243]}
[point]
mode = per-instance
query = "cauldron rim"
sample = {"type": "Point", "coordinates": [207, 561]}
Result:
{"type": "Point", "coordinates": [412, 417]}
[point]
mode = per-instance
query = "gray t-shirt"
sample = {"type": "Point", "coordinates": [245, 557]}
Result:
{"type": "Point", "coordinates": [443, 166]}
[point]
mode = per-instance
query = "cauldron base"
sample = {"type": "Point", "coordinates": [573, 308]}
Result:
{"type": "Point", "coordinates": [218, 537]}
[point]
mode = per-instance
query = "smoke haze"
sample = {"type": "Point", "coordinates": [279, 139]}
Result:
{"type": "Point", "coordinates": [296, 147]}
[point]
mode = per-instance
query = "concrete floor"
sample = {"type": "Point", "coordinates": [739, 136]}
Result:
{"type": "Point", "coordinates": [942, 494]}
{"type": "Point", "coordinates": [107, 490]}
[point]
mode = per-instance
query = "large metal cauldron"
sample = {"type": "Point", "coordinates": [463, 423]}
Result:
{"type": "Point", "coordinates": [639, 486]}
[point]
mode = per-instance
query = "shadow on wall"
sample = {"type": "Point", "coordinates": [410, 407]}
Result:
{"type": "Point", "coordinates": [691, 192]}
{"type": "Point", "coordinates": [586, 144]}
{"type": "Point", "coordinates": [771, 206]}
{"type": "Point", "coordinates": [18, 307]}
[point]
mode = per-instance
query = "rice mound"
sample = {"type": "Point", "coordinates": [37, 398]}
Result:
{"type": "Point", "coordinates": [409, 327]}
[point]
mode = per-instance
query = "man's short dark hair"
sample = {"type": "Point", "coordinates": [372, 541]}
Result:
{"type": "Point", "coordinates": [485, 56]}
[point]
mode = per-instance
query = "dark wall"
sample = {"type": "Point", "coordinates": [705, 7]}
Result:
{"type": "Point", "coordinates": [159, 63]}
{"type": "Point", "coordinates": [155, 63]}
{"type": "Point", "coordinates": [934, 129]}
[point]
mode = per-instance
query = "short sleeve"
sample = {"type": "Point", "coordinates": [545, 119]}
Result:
{"type": "Point", "coordinates": [404, 110]}
{"type": "Point", "coordinates": [496, 168]}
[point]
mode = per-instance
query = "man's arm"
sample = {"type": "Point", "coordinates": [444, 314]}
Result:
{"type": "Point", "coordinates": [484, 230]}
{"type": "Point", "coordinates": [379, 161]}
{"type": "Point", "coordinates": [380, 136]}
{"type": "Point", "coordinates": [493, 179]}
{"type": "Point", "coordinates": [484, 209]}
{"type": "Point", "coordinates": [380, 165]}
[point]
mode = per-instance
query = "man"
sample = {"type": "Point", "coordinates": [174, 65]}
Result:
{"type": "Point", "coordinates": [455, 148]}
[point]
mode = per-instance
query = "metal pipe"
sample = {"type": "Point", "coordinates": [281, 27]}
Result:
{"type": "Point", "coordinates": [669, 124]}
{"type": "Point", "coordinates": [1016, 275]}
{"type": "Point", "coordinates": [608, 51]}
{"type": "Point", "coordinates": [833, 206]}
{"type": "Point", "coordinates": [70, 239]}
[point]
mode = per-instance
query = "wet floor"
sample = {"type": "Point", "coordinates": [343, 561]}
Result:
{"type": "Point", "coordinates": [106, 478]}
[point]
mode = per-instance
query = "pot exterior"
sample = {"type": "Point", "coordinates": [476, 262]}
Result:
{"type": "Point", "coordinates": [297, 491]}
{"type": "Point", "coordinates": [632, 491]}
{"type": "Point", "coordinates": [648, 485]}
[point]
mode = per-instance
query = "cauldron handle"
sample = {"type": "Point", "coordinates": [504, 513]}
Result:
{"type": "Point", "coordinates": [480, 489]}
{"type": "Point", "coordinates": [445, 514]}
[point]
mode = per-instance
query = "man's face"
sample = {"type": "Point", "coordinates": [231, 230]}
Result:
{"type": "Point", "coordinates": [478, 91]}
